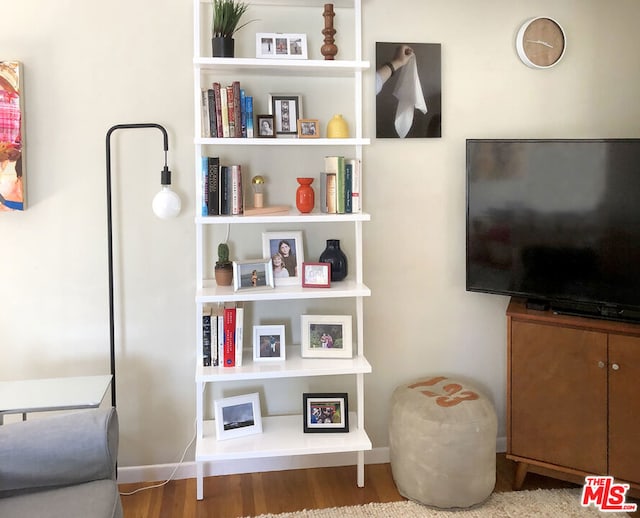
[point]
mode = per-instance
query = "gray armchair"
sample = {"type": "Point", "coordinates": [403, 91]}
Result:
{"type": "Point", "coordinates": [62, 466]}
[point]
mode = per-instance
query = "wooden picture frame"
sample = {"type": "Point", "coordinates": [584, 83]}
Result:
{"type": "Point", "coordinates": [252, 274]}
{"type": "Point", "coordinates": [277, 45]}
{"type": "Point", "coordinates": [265, 125]}
{"type": "Point", "coordinates": [238, 416]}
{"type": "Point", "coordinates": [308, 128]}
{"type": "Point", "coordinates": [274, 244]}
{"type": "Point", "coordinates": [269, 343]}
{"type": "Point", "coordinates": [286, 110]}
{"type": "Point", "coordinates": [316, 275]}
{"type": "Point", "coordinates": [326, 336]}
{"type": "Point", "coordinates": [326, 412]}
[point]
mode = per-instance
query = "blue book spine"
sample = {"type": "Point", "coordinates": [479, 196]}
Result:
{"type": "Point", "coordinates": [205, 185]}
{"type": "Point", "coordinates": [243, 112]}
{"type": "Point", "coordinates": [249, 115]}
{"type": "Point", "coordinates": [348, 179]}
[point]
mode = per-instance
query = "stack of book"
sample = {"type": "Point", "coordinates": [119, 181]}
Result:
{"type": "Point", "coordinates": [222, 193]}
{"type": "Point", "coordinates": [226, 111]}
{"type": "Point", "coordinates": [341, 185]}
{"type": "Point", "coordinates": [222, 328]}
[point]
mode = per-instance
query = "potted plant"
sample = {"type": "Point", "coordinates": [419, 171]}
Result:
{"type": "Point", "coordinates": [224, 24]}
{"type": "Point", "coordinates": [224, 268]}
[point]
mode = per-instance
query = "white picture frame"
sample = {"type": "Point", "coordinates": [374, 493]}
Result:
{"type": "Point", "coordinates": [273, 245]}
{"type": "Point", "coordinates": [278, 45]}
{"type": "Point", "coordinates": [269, 343]}
{"type": "Point", "coordinates": [238, 416]}
{"type": "Point", "coordinates": [326, 336]}
{"type": "Point", "coordinates": [252, 274]}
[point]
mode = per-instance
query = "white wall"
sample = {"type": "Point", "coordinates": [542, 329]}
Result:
{"type": "Point", "coordinates": [91, 65]}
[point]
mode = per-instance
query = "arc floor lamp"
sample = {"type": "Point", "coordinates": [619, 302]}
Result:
{"type": "Point", "coordinates": [166, 204]}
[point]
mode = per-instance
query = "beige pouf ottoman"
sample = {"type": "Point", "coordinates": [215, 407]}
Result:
{"type": "Point", "coordinates": [442, 436]}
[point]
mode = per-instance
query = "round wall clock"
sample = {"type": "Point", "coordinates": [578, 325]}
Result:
{"type": "Point", "coordinates": [541, 42]}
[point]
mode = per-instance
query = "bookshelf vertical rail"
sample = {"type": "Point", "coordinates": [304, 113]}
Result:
{"type": "Point", "coordinates": [282, 435]}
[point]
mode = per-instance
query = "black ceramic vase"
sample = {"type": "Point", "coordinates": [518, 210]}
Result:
{"type": "Point", "coordinates": [336, 258]}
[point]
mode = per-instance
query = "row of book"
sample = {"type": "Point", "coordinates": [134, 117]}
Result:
{"type": "Point", "coordinates": [341, 185]}
{"type": "Point", "coordinates": [222, 335]}
{"type": "Point", "coordinates": [222, 193]}
{"type": "Point", "coordinates": [226, 111]}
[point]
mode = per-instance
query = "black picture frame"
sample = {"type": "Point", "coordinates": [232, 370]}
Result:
{"type": "Point", "coordinates": [286, 110]}
{"type": "Point", "coordinates": [320, 411]}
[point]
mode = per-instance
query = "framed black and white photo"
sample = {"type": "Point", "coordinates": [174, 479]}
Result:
{"type": "Point", "coordinates": [252, 274]}
{"type": "Point", "coordinates": [277, 45]}
{"type": "Point", "coordinates": [266, 126]}
{"type": "Point", "coordinates": [316, 275]}
{"type": "Point", "coordinates": [326, 336]}
{"type": "Point", "coordinates": [286, 253]}
{"type": "Point", "coordinates": [238, 416]}
{"type": "Point", "coordinates": [326, 412]}
{"type": "Point", "coordinates": [286, 110]}
{"type": "Point", "coordinates": [308, 128]}
{"type": "Point", "coordinates": [268, 343]}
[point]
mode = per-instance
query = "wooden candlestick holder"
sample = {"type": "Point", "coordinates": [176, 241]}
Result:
{"type": "Point", "coordinates": [328, 50]}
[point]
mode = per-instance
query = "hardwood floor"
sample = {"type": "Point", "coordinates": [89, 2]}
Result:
{"type": "Point", "coordinates": [252, 494]}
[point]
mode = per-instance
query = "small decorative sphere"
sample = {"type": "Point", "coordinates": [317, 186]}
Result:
{"type": "Point", "coordinates": [257, 179]}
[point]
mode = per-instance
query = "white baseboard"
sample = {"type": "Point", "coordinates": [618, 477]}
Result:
{"type": "Point", "coordinates": [161, 472]}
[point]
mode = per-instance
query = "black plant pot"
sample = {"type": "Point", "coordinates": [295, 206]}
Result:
{"type": "Point", "coordinates": [222, 47]}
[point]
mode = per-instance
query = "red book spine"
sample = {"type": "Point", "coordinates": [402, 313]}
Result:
{"type": "Point", "coordinates": [229, 337]}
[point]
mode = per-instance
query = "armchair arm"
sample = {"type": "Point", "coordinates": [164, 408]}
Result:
{"type": "Point", "coordinates": [58, 451]}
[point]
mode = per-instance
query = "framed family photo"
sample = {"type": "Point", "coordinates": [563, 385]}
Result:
{"type": "Point", "coordinates": [286, 110]}
{"type": "Point", "coordinates": [316, 275]}
{"type": "Point", "coordinates": [276, 45]}
{"type": "Point", "coordinates": [268, 343]}
{"type": "Point", "coordinates": [308, 128]}
{"type": "Point", "coordinates": [238, 416]}
{"type": "Point", "coordinates": [284, 249]}
{"type": "Point", "coordinates": [266, 126]}
{"type": "Point", "coordinates": [326, 336]}
{"type": "Point", "coordinates": [326, 413]}
{"type": "Point", "coordinates": [252, 274]}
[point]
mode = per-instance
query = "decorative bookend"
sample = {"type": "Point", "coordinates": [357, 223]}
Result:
{"type": "Point", "coordinates": [328, 50]}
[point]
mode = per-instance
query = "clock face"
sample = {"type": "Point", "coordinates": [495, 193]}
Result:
{"type": "Point", "coordinates": [541, 43]}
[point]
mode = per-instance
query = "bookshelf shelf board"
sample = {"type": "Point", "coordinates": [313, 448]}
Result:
{"type": "Point", "coordinates": [210, 292]}
{"type": "Point", "coordinates": [294, 367]}
{"type": "Point", "coordinates": [283, 141]}
{"type": "Point", "coordinates": [292, 217]}
{"type": "Point", "coordinates": [296, 67]}
{"type": "Point", "coordinates": [281, 436]}
{"type": "Point", "coordinates": [298, 3]}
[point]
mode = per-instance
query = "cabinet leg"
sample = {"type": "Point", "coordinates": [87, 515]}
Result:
{"type": "Point", "coordinates": [521, 472]}
{"type": "Point", "coordinates": [199, 481]}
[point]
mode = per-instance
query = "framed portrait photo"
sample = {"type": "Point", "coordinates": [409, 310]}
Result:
{"type": "Point", "coordinates": [316, 275]}
{"type": "Point", "coordinates": [326, 336]}
{"type": "Point", "coordinates": [252, 274]}
{"type": "Point", "coordinates": [268, 343]}
{"type": "Point", "coordinates": [277, 45]}
{"type": "Point", "coordinates": [266, 126]}
{"type": "Point", "coordinates": [326, 413]}
{"type": "Point", "coordinates": [284, 250]}
{"type": "Point", "coordinates": [237, 416]}
{"type": "Point", "coordinates": [308, 128]}
{"type": "Point", "coordinates": [286, 110]}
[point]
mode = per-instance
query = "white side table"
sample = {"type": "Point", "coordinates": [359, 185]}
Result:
{"type": "Point", "coordinates": [45, 395]}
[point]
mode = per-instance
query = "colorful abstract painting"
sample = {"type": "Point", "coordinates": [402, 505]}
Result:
{"type": "Point", "coordinates": [12, 174]}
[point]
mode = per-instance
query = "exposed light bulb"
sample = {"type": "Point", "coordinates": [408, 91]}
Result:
{"type": "Point", "coordinates": [166, 204]}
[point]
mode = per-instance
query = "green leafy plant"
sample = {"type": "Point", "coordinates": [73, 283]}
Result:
{"type": "Point", "coordinates": [226, 17]}
{"type": "Point", "coordinates": [223, 256]}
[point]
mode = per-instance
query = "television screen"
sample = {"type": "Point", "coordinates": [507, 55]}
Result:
{"type": "Point", "coordinates": [556, 221]}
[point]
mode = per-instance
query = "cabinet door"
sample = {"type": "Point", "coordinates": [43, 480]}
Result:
{"type": "Point", "coordinates": [624, 407]}
{"type": "Point", "coordinates": [558, 396]}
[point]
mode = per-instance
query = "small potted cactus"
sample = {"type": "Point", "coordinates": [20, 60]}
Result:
{"type": "Point", "coordinates": [224, 268]}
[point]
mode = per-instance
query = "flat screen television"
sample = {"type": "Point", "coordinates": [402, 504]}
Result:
{"type": "Point", "coordinates": [556, 222]}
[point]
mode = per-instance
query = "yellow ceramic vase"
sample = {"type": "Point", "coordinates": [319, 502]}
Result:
{"type": "Point", "coordinates": [337, 127]}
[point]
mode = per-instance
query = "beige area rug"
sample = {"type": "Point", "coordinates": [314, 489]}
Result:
{"type": "Point", "coordinates": [551, 503]}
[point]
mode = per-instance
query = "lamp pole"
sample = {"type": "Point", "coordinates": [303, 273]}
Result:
{"type": "Point", "coordinates": [168, 206]}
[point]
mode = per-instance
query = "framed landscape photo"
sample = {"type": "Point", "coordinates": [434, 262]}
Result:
{"type": "Point", "coordinates": [276, 45]}
{"type": "Point", "coordinates": [308, 128]}
{"type": "Point", "coordinates": [286, 110]}
{"type": "Point", "coordinates": [326, 413]}
{"type": "Point", "coordinates": [252, 274]}
{"type": "Point", "coordinates": [266, 126]}
{"type": "Point", "coordinates": [268, 343]}
{"type": "Point", "coordinates": [285, 251]}
{"type": "Point", "coordinates": [326, 336]}
{"type": "Point", "coordinates": [238, 416]}
{"type": "Point", "coordinates": [316, 275]}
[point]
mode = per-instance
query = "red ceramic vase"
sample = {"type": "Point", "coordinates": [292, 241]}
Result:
{"type": "Point", "coordinates": [305, 197]}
